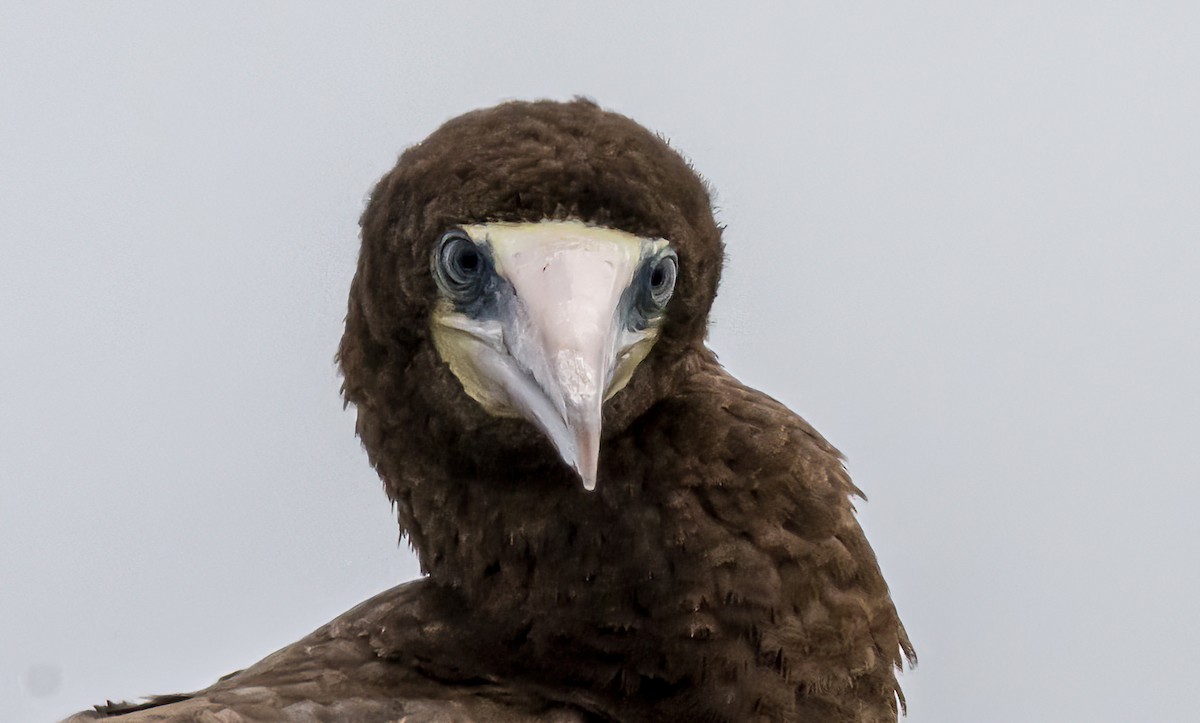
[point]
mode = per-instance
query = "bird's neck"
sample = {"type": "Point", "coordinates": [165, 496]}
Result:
{"type": "Point", "coordinates": [614, 589]}
{"type": "Point", "coordinates": [717, 569]}
{"type": "Point", "coordinates": [604, 592]}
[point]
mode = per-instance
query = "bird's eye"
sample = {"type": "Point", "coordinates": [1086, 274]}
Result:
{"type": "Point", "coordinates": [460, 266]}
{"type": "Point", "coordinates": [661, 281]}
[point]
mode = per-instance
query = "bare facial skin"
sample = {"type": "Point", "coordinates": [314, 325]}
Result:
{"type": "Point", "coordinates": [560, 315]}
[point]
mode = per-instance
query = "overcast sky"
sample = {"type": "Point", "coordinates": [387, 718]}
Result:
{"type": "Point", "coordinates": [964, 243]}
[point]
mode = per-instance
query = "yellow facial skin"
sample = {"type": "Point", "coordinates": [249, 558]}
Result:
{"type": "Point", "coordinates": [561, 343]}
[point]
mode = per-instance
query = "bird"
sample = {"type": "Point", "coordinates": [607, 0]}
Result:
{"type": "Point", "coordinates": [610, 526]}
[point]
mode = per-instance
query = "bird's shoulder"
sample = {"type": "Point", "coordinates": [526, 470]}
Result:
{"type": "Point", "coordinates": [739, 437]}
{"type": "Point", "coordinates": [763, 505]}
{"type": "Point", "coordinates": [365, 665]}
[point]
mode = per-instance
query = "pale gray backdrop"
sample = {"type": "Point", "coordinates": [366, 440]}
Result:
{"type": "Point", "coordinates": [963, 243]}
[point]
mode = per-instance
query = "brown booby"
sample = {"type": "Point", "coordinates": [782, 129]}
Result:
{"type": "Point", "coordinates": [613, 528]}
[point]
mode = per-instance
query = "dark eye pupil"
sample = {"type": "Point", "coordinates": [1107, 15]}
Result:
{"type": "Point", "coordinates": [658, 276]}
{"type": "Point", "coordinates": [468, 260]}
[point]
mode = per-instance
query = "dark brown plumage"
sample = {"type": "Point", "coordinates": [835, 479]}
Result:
{"type": "Point", "coordinates": [716, 573]}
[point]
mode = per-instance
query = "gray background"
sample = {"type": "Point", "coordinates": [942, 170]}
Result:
{"type": "Point", "coordinates": [964, 242]}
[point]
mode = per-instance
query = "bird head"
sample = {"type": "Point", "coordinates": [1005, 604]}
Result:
{"type": "Point", "coordinates": [531, 280]}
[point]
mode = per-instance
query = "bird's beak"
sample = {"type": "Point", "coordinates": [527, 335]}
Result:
{"type": "Point", "coordinates": [559, 342]}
